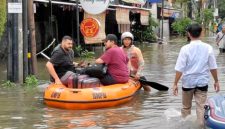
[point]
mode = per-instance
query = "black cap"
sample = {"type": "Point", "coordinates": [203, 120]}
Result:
{"type": "Point", "coordinates": [111, 37]}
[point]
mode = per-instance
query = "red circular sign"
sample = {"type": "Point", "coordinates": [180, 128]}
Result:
{"type": "Point", "coordinates": [89, 27]}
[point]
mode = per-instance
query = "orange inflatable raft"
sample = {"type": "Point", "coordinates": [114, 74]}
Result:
{"type": "Point", "coordinates": [60, 96]}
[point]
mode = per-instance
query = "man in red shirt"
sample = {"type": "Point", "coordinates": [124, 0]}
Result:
{"type": "Point", "coordinates": [116, 61]}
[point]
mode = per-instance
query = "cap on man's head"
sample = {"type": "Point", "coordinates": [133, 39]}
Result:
{"type": "Point", "coordinates": [111, 37]}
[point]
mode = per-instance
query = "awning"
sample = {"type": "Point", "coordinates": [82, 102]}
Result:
{"type": "Point", "coordinates": [144, 17]}
{"type": "Point", "coordinates": [122, 16]}
{"type": "Point", "coordinates": [135, 1]}
{"type": "Point", "coordinates": [74, 4]}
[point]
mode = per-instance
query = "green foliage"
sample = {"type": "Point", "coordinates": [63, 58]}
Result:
{"type": "Point", "coordinates": [145, 33]}
{"type": "Point", "coordinates": [148, 33]}
{"type": "Point", "coordinates": [180, 25]}
{"type": "Point", "coordinates": [31, 81]}
{"type": "Point", "coordinates": [2, 16]}
{"type": "Point", "coordinates": [182, 1]}
{"type": "Point", "coordinates": [207, 16]}
{"type": "Point", "coordinates": [8, 84]}
{"type": "Point", "coordinates": [221, 7]}
{"type": "Point", "coordinates": [78, 49]}
{"type": "Point", "coordinates": [87, 54]}
{"type": "Point", "coordinates": [84, 54]}
{"type": "Point", "coordinates": [198, 19]}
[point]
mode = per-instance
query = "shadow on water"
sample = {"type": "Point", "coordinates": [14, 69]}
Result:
{"type": "Point", "coordinates": [23, 108]}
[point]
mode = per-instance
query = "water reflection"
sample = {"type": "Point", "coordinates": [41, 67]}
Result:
{"type": "Point", "coordinates": [3, 71]}
{"type": "Point", "coordinates": [24, 109]}
{"type": "Point", "coordinates": [99, 118]}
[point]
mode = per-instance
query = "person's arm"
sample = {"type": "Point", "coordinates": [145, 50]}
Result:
{"type": "Point", "coordinates": [52, 72]}
{"type": "Point", "coordinates": [213, 69]}
{"type": "Point", "coordinates": [179, 68]}
{"type": "Point", "coordinates": [217, 39]}
{"type": "Point", "coordinates": [216, 83]}
{"type": "Point", "coordinates": [105, 58]}
{"type": "Point", "coordinates": [140, 62]}
{"type": "Point", "coordinates": [99, 61]}
{"type": "Point", "coordinates": [175, 86]}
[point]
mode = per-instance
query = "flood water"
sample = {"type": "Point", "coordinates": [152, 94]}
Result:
{"type": "Point", "coordinates": [23, 108]}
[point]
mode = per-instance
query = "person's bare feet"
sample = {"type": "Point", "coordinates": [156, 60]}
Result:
{"type": "Point", "coordinates": [146, 88]}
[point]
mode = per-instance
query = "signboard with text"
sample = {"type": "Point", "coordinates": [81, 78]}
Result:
{"type": "Point", "coordinates": [14, 7]}
{"type": "Point", "coordinates": [89, 27]}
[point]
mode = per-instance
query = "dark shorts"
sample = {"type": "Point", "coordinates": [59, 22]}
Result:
{"type": "Point", "coordinates": [107, 80]}
{"type": "Point", "coordinates": [222, 50]}
{"type": "Point", "coordinates": [204, 88]}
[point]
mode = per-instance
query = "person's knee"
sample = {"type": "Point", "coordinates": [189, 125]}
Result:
{"type": "Point", "coordinates": [107, 80]}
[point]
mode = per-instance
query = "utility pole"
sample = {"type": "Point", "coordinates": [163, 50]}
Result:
{"type": "Point", "coordinates": [162, 17]}
{"type": "Point", "coordinates": [20, 46]}
{"type": "Point", "coordinates": [190, 10]}
{"type": "Point", "coordinates": [15, 44]}
{"type": "Point", "coordinates": [50, 18]}
{"type": "Point", "coordinates": [78, 22]}
{"type": "Point", "coordinates": [25, 41]}
{"type": "Point", "coordinates": [32, 36]}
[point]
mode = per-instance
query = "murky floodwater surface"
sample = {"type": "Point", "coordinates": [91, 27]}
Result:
{"type": "Point", "coordinates": [24, 108]}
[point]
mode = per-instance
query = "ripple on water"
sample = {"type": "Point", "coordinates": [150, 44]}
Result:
{"type": "Point", "coordinates": [10, 127]}
{"type": "Point", "coordinates": [17, 118]}
{"type": "Point", "coordinates": [47, 116]}
{"type": "Point", "coordinates": [40, 126]}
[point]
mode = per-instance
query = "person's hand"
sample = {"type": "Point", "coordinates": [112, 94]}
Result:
{"type": "Point", "coordinates": [82, 64]}
{"type": "Point", "coordinates": [175, 90]}
{"type": "Point", "coordinates": [217, 86]}
{"type": "Point", "coordinates": [217, 43]}
{"type": "Point", "coordinates": [75, 64]}
{"type": "Point", "coordinates": [137, 77]}
{"type": "Point", "coordinates": [58, 81]}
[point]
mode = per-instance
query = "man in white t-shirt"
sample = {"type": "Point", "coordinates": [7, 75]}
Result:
{"type": "Point", "coordinates": [220, 39]}
{"type": "Point", "coordinates": [195, 62]}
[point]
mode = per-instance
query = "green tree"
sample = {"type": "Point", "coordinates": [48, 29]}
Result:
{"type": "Point", "coordinates": [207, 17]}
{"type": "Point", "coordinates": [145, 33]}
{"type": "Point", "coordinates": [221, 7]}
{"type": "Point", "coordinates": [180, 25]}
{"type": "Point", "coordinates": [148, 33]}
{"type": "Point", "coordinates": [182, 1]}
{"type": "Point", "coordinates": [2, 16]}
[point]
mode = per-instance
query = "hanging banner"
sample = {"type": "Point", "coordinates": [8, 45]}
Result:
{"type": "Point", "coordinates": [124, 28]}
{"type": "Point", "coordinates": [101, 33]}
{"type": "Point", "coordinates": [122, 16]}
{"type": "Point", "coordinates": [167, 12]}
{"type": "Point", "coordinates": [176, 15]}
{"type": "Point", "coordinates": [89, 27]}
{"type": "Point", "coordinates": [94, 6]}
{"type": "Point", "coordinates": [144, 17]}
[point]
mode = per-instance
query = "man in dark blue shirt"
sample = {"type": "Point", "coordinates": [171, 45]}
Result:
{"type": "Point", "coordinates": [61, 60]}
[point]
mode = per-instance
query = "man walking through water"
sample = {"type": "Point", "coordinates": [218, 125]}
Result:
{"type": "Point", "coordinates": [220, 39]}
{"type": "Point", "coordinates": [195, 61]}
